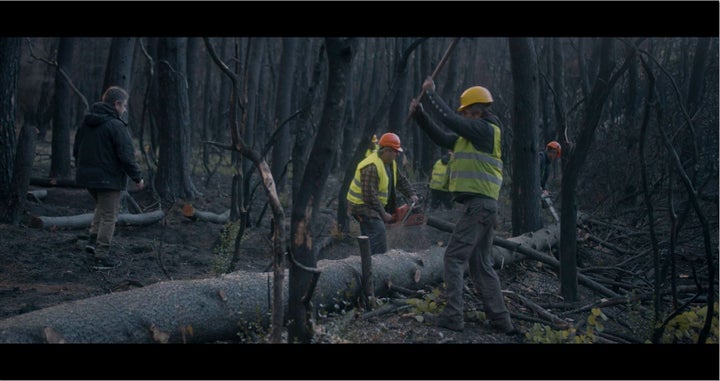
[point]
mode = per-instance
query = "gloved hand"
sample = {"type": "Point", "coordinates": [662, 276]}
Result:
{"type": "Point", "coordinates": [387, 217]}
{"type": "Point", "coordinates": [428, 84]}
{"type": "Point", "coordinates": [414, 106]}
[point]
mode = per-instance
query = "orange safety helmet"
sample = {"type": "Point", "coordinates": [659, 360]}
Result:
{"type": "Point", "coordinates": [390, 140]}
{"type": "Point", "coordinates": [556, 146]}
{"type": "Point", "coordinates": [475, 94]}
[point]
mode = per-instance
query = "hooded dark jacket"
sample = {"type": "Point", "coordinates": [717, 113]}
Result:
{"type": "Point", "coordinates": [103, 151]}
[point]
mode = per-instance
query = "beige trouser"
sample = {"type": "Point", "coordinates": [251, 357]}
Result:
{"type": "Point", "coordinates": [107, 205]}
{"type": "Point", "coordinates": [471, 243]}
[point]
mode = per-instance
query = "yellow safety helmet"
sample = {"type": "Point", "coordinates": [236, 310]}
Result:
{"type": "Point", "coordinates": [475, 94]}
{"type": "Point", "coordinates": [374, 138]}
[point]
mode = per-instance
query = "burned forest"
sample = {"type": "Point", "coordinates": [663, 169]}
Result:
{"type": "Point", "coordinates": [248, 147]}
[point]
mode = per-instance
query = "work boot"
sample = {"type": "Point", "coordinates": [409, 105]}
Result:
{"type": "Point", "coordinates": [443, 321]}
{"type": "Point", "coordinates": [102, 263]}
{"type": "Point", "coordinates": [90, 246]}
{"type": "Point", "coordinates": [103, 260]}
{"type": "Point", "coordinates": [504, 326]}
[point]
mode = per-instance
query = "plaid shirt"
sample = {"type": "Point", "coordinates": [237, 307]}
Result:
{"type": "Point", "coordinates": [370, 180]}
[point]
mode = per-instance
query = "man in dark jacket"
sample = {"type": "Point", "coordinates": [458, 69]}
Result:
{"type": "Point", "coordinates": [104, 158]}
{"type": "Point", "coordinates": [475, 181]}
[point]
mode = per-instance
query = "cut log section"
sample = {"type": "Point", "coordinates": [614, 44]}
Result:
{"type": "Point", "coordinates": [208, 310]}
{"type": "Point", "coordinates": [36, 195]}
{"type": "Point", "coordinates": [190, 212]}
{"type": "Point", "coordinates": [81, 221]}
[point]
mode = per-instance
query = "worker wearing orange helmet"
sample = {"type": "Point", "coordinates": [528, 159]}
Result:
{"type": "Point", "coordinates": [552, 151]}
{"type": "Point", "coordinates": [372, 193]}
{"type": "Point", "coordinates": [474, 135]}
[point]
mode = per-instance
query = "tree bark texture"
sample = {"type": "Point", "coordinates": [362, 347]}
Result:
{"type": "Point", "coordinates": [283, 107]}
{"type": "Point", "coordinates": [525, 186]}
{"type": "Point", "coordinates": [62, 113]}
{"type": "Point", "coordinates": [9, 69]}
{"type": "Point", "coordinates": [173, 175]}
{"type": "Point", "coordinates": [24, 157]}
{"type": "Point", "coordinates": [119, 64]}
{"type": "Point", "coordinates": [577, 155]}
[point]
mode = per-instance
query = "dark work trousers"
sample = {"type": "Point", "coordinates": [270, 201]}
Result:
{"type": "Point", "coordinates": [374, 229]}
{"type": "Point", "coordinates": [439, 197]}
{"type": "Point", "coordinates": [471, 243]}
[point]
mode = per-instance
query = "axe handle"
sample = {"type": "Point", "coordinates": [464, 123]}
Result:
{"type": "Point", "coordinates": [441, 63]}
{"type": "Point", "coordinates": [438, 68]}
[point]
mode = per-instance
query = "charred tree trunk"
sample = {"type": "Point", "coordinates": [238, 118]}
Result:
{"type": "Point", "coordinates": [9, 68]}
{"type": "Point", "coordinates": [525, 189]}
{"type": "Point", "coordinates": [119, 65]}
{"type": "Point", "coordinates": [278, 237]}
{"type": "Point", "coordinates": [62, 115]}
{"type": "Point", "coordinates": [340, 54]}
{"type": "Point", "coordinates": [252, 101]}
{"type": "Point", "coordinates": [283, 107]}
{"type": "Point", "coordinates": [576, 158]}
{"type": "Point", "coordinates": [173, 178]}
{"type": "Point", "coordinates": [697, 75]}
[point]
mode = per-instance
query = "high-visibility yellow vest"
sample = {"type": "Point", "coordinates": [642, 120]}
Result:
{"type": "Point", "coordinates": [474, 171]}
{"type": "Point", "coordinates": [354, 194]}
{"type": "Point", "coordinates": [439, 177]}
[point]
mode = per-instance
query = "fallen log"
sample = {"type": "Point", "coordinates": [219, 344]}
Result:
{"type": "Point", "coordinates": [47, 182]}
{"type": "Point", "coordinates": [81, 221]}
{"type": "Point", "coordinates": [207, 310]}
{"type": "Point", "coordinates": [539, 241]}
{"type": "Point", "coordinates": [529, 245]}
{"type": "Point", "coordinates": [190, 212]}
{"type": "Point", "coordinates": [36, 195]}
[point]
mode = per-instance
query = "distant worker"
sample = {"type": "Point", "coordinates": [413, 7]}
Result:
{"type": "Point", "coordinates": [373, 146]}
{"type": "Point", "coordinates": [552, 151]}
{"type": "Point", "coordinates": [439, 181]}
{"type": "Point", "coordinates": [474, 135]}
{"type": "Point", "coordinates": [373, 191]}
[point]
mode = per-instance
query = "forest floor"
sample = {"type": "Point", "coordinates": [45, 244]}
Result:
{"type": "Point", "coordinates": [43, 267]}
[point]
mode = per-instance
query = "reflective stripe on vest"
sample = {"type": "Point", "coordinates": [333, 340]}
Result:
{"type": "Point", "coordinates": [354, 194]}
{"type": "Point", "coordinates": [439, 177]}
{"type": "Point", "coordinates": [474, 171]}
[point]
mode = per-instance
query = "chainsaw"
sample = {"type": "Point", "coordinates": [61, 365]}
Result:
{"type": "Point", "coordinates": [408, 215]}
